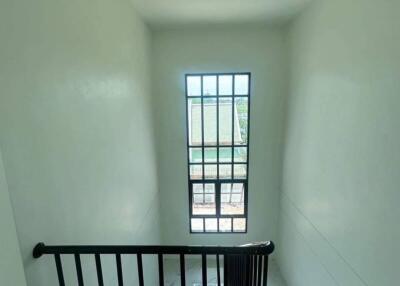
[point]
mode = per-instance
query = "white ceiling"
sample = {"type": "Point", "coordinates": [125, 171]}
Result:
{"type": "Point", "coordinates": [172, 12]}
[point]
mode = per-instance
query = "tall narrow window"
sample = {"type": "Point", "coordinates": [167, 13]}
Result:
{"type": "Point", "coordinates": [218, 145]}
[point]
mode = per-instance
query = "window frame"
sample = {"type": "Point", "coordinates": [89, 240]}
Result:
{"type": "Point", "coordinates": [218, 182]}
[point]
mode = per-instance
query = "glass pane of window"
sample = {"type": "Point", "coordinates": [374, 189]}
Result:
{"type": "Point", "coordinates": [195, 155]}
{"type": "Point", "coordinates": [198, 188]}
{"type": "Point", "coordinates": [225, 85]}
{"type": "Point", "coordinates": [226, 188]}
{"type": "Point", "coordinates": [241, 121]}
{"type": "Point", "coordinates": [236, 198]}
{"type": "Point", "coordinates": [210, 155]}
{"type": "Point", "coordinates": [210, 171]}
{"type": "Point", "coordinates": [226, 193]}
{"type": "Point", "coordinates": [209, 188]}
{"type": "Point", "coordinates": [225, 155]}
{"type": "Point", "coordinates": [225, 224]}
{"type": "Point", "coordinates": [237, 188]}
{"type": "Point", "coordinates": [209, 198]}
{"type": "Point", "coordinates": [240, 171]}
{"type": "Point", "coordinates": [239, 224]}
{"type": "Point", "coordinates": [196, 172]}
{"type": "Point", "coordinates": [194, 85]}
{"type": "Point", "coordinates": [241, 84]}
{"type": "Point", "coordinates": [233, 203]}
{"type": "Point", "coordinates": [203, 209]}
{"type": "Point", "coordinates": [210, 121]}
{"type": "Point", "coordinates": [225, 121]}
{"type": "Point", "coordinates": [240, 154]}
{"type": "Point", "coordinates": [204, 202]}
{"type": "Point", "coordinates": [225, 198]}
{"type": "Point", "coordinates": [195, 122]}
{"type": "Point", "coordinates": [225, 171]}
{"type": "Point", "coordinates": [197, 224]}
{"type": "Point", "coordinates": [198, 198]}
{"type": "Point", "coordinates": [209, 85]}
{"type": "Point", "coordinates": [211, 224]}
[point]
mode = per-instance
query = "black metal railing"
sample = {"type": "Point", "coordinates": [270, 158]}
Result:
{"type": "Point", "coordinates": [245, 265]}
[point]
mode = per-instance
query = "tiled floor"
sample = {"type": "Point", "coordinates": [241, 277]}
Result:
{"type": "Point", "coordinates": [193, 273]}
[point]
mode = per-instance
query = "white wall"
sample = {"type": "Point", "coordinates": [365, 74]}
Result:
{"type": "Point", "coordinates": [257, 49]}
{"type": "Point", "coordinates": [76, 129]}
{"type": "Point", "coordinates": [11, 269]}
{"type": "Point", "coordinates": [340, 203]}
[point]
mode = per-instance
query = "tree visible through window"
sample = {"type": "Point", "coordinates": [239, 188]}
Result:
{"type": "Point", "coordinates": [218, 143]}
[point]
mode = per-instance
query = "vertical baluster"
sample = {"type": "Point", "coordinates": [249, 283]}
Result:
{"type": "Point", "coordinates": [259, 269]}
{"type": "Point", "coordinates": [242, 270]}
{"type": "Point", "coordinates": [250, 271]}
{"type": "Point", "coordinates": [243, 267]}
{"type": "Point", "coordinates": [235, 276]}
{"type": "Point", "coordinates": [161, 269]}
{"type": "Point", "coordinates": [246, 281]}
{"type": "Point", "coordinates": [204, 269]}
{"type": "Point", "coordinates": [119, 269]}
{"type": "Point", "coordinates": [140, 269]}
{"type": "Point", "coordinates": [225, 270]}
{"type": "Point", "coordinates": [99, 271]}
{"type": "Point", "coordinates": [238, 270]}
{"type": "Point", "coordinates": [183, 276]}
{"type": "Point", "coordinates": [265, 274]}
{"type": "Point", "coordinates": [78, 269]}
{"type": "Point", "coordinates": [59, 269]}
{"type": "Point", "coordinates": [218, 272]}
{"type": "Point", "coordinates": [255, 270]}
{"type": "Point", "coordinates": [230, 271]}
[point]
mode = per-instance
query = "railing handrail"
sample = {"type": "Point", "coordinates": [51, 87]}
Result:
{"type": "Point", "coordinates": [264, 248]}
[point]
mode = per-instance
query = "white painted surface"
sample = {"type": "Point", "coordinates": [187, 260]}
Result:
{"type": "Point", "coordinates": [255, 49]}
{"type": "Point", "coordinates": [11, 269]}
{"type": "Point", "coordinates": [76, 130]}
{"type": "Point", "coordinates": [340, 206]}
{"type": "Point", "coordinates": [159, 13]}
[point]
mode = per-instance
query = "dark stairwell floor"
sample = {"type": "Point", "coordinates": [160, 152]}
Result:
{"type": "Point", "coordinates": [193, 273]}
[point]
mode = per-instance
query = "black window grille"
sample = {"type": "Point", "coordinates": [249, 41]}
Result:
{"type": "Point", "coordinates": [218, 121]}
